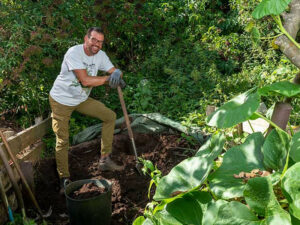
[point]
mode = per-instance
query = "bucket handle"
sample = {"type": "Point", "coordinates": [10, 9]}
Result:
{"type": "Point", "coordinates": [66, 182]}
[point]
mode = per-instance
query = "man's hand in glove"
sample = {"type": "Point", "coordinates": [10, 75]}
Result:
{"type": "Point", "coordinates": [114, 78]}
{"type": "Point", "coordinates": [122, 83]}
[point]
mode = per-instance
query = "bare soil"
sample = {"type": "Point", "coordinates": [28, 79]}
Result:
{"type": "Point", "coordinates": [129, 189]}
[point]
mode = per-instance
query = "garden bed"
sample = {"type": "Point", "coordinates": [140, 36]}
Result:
{"type": "Point", "coordinates": [129, 189]}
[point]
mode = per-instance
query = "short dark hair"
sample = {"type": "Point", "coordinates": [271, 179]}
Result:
{"type": "Point", "coordinates": [97, 29]}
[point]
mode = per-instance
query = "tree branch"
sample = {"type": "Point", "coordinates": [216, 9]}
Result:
{"type": "Point", "coordinates": [291, 22]}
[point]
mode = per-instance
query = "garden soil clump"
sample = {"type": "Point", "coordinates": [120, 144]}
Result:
{"type": "Point", "coordinates": [88, 190]}
{"type": "Point", "coordinates": [129, 189]}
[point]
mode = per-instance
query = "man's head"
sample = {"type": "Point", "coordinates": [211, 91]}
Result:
{"type": "Point", "coordinates": [93, 40]}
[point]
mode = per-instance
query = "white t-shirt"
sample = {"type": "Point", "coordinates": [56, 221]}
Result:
{"type": "Point", "coordinates": [66, 89]}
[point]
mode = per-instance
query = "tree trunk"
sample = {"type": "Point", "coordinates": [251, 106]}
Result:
{"type": "Point", "coordinates": [282, 110]}
{"type": "Point", "coordinates": [291, 22]}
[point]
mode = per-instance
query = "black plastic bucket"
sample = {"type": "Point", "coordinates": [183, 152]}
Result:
{"type": "Point", "coordinates": [91, 211]}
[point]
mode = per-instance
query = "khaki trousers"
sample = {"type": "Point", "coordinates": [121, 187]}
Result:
{"type": "Point", "coordinates": [60, 124]}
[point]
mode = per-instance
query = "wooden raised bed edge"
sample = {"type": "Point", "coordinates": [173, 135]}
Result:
{"type": "Point", "coordinates": [27, 147]}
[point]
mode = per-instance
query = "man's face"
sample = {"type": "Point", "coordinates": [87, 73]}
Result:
{"type": "Point", "coordinates": [93, 43]}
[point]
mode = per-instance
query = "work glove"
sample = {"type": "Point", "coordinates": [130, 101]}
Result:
{"type": "Point", "coordinates": [122, 83]}
{"type": "Point", "coordinates": [114, 78]}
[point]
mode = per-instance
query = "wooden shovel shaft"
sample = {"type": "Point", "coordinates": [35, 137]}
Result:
{"type": "Point", "coordinates": [127, 120]}
{"type": "Point", "coordinates": [21, 174]}
{"type": "Point", "coordinates": [125, 112]}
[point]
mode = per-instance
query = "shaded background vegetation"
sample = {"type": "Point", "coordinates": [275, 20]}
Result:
{"type": "Point", "coordinates": [177, 56]}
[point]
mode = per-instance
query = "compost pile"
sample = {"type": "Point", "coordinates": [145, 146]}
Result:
{"type": "Point", "coordinates": [129, 189]}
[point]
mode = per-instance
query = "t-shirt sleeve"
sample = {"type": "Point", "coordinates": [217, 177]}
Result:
{"type": "Point", "coordinates": [73, 60]}
{"type": "Point", "coordinates": [105, 64]}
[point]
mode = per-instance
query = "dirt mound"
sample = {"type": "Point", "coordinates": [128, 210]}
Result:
{"type": "Point", "coordinates": [129, 189]}
{"type": "Point", "coordinates": [87, 191]}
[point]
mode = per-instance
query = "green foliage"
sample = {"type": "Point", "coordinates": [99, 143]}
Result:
{"type": "Point", "coordinates": [236, 110]}
{"type": "Point", "coordinates": [283, 88]}
{"type": "Point", "coordinates": [139, 221]}
{"type": "Point", "coordinates": [270, 7]}
{"type": "Point", "coordinates": [236, 213]}
{"type": "Point", "coordinates": [34, 38]}
{"type": "Point", "coordinates": [152, 171]}
{"type": "Point", "coordinates": [290, 186]}
{"type": "Point", "coordinates": [189, 209]}
{"type": "Point", "coordinates": [256, 153]}
{"type": "Point", "coordinates": [212, 147]}
{"type": "Point", "coordinates": [50, 141]}
{"type": "Point", "coordinates": [260, 197]}
{"type": "Point", "coordinates": [188, 52]}
{"type": "Point", "coordinates": [295, 147]}
{"type": "Point", "coordinates": [275, 150]}
{"type": "Point", "coordinates": [236, 160]}
{"type": "Point", "coordinates": [187, 175]}
{"type": "Point", "coordinates": [19, 220]}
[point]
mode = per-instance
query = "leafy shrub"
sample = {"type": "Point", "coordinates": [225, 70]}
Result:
{"type": "Point", "coordinates": [34, 37]}
{"type": "Point", "coordinates": [195, 53]}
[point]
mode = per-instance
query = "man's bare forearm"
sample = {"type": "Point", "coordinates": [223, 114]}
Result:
{"type": "Point", "coordinates": [90, 81]}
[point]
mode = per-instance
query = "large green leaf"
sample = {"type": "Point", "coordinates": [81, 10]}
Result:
{"type": "Point", "coordinates": [260, 197]}
{"type": "Point", "coordinates": [242, 158]}
{"type": "Point", "coordinates": [270, 7]}
{"type": "Point", "coordinates": [236, 213]}
{"type": "Point", "coordinates": [211, 214]}
{"type": "Point", "coordinates": [295, 221]}
{"type": "Point", "coordinates": [291, 188]}
{"type": "Point", "coordinates": [275, 149]}
{"type": "Point", "coordinates": [187, 175]}
{"type": "Point", "coordinates": [295, 147]}
{"type": "Point", "coordinates": [165, 218]}
{"type": "Point", "coordinates": [212, 147]}
{"type": "Point", "coordinates": [235, 111]}
{"type": "Point", "coordinates": [189, 209]}
{"type": "Point", "coordinates": [283, 88]}
{"type": "Point", "coordinates": [229, 213]}
{"type": "Point", "coordinates": [139, 221]}
{"type": "Point", "coordinates": [278, 219]}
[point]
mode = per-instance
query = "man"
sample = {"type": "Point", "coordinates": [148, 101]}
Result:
{"type": "Point", "coordinates": [71, 91]}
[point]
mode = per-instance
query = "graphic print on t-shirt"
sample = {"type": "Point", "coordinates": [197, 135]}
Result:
{"type": "Point", "coordinates": [90, 69]}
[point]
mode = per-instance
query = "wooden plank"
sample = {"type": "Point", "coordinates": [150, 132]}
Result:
{"type": "Point", "coordinates": [28, 136]}
{"type": "Point", "coordinates": [33, 154]}
{"type": "Point", "coordinates": [29, 139]}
